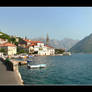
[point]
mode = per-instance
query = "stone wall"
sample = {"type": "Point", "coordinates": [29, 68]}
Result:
{"type": "Point", "coordinates": [13, 66]}
{"type": "Point", "coordinates": [16, 69]}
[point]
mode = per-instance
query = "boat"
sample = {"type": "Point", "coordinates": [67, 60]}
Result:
{"type": "Point", "coordinates": [29, 60]}
{"type": "Point", "coordinates": [37, 66]}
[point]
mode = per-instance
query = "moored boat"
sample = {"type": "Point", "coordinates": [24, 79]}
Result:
{"type": "Point", "coordinates": [37, 66]}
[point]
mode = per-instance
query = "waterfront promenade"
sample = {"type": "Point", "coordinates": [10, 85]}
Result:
{"type": "Point", "coordinates": [8, 77]}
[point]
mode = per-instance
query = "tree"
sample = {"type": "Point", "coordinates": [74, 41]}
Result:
{"type": "Point", "coordinates": [59, 51]}
{"type": "Point", "coordinates": [21, 50]}
{"type": "Point", "coordinates": [3, 50]}
{"type": "Point", "coordinates": [13, 40]}
{"type": "Point", "coordinates": [16, 43]}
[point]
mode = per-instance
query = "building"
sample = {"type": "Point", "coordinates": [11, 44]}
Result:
{"type": "Point", "coordinates": [3, 41]}
{"type": "Point", "coordinates": [22, 43]}
{"type": "Point", "coordinates": [50, 50]}
{"type": "Point", "coordinates": [47, 50]}
{"type": "Point", "coordinates": [28, 42]}
{"type": "Point", "coordinates": [37, 47]}
{"type": "Point", "coordinates": [9, 48]}
{"type": "Point", "coordinates": [16, 38]}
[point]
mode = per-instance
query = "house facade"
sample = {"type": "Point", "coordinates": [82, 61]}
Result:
{"type": "Point", "coordinates": [47, 50]}
{"type": "Point", "coordinates": [41, 49]}
{"type": "Point", "coordinates": [35, 46]}
{"type": "Point", "coordinates": [50, 50]}
{"type": "Point", "coordinates": [10, 49]}
{"type": "Point", "coordinates": [38, 47]}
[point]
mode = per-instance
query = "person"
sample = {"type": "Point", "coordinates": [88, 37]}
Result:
{"type": "Point", "coordinates": [7, 59]}
{"type": "Point", "coordinates": [7, 63]}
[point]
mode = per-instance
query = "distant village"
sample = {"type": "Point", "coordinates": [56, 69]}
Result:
{"type": "Point", "coordinates": [25, 45]}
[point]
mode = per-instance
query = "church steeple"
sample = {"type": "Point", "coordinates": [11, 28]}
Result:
{"type": "Point", "coordinates": [25, 37]}
{"type": "Point", "coordinates": [47, 39]}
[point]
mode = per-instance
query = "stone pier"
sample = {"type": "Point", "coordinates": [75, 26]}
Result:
{"type": "Point", "coordinates": [9, 73]}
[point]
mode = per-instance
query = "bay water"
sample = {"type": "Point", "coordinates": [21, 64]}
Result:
{"type": "Point", "coordinates": [61, 70]}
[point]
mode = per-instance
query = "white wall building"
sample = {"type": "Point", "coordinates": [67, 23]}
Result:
{"type": "Point", "coordinates": [40, 48]}
{"type": "Point", "coordinates": [10, 49]}
{"type": "Point", "coordinates": [46, 50]}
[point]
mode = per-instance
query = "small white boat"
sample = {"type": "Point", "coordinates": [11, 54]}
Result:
{"type": "Point", "coordinates": [37, 66]}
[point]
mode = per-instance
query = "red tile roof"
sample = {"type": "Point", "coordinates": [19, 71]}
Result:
{"type": "Point", "coordinates": [49, 46]}
{"type": "Point", "coordinates": [33, 42]}
{"type": "Point", "coordinates": [26, 40]}
{"type": "Point", "coordinates": [7, 44]}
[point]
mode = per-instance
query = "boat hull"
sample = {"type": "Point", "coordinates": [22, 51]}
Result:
{"type": "Point", "coordinates": [37, 66]}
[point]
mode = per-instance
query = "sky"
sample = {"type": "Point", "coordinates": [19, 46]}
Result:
{"type": "Point", "coordinates": [58, 22]}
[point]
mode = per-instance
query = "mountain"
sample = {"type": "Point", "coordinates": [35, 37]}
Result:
{"type": "Point", "coordinates": [68, 43]}
{"type": "Point", "coordinates": [64, 43]}
{"type": "Point", "coordinates": [58, 44]}
{"type": "Point", "coordinates": [83, 46]}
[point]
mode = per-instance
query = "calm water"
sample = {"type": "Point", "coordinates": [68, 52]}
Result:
{"type": "Point", "coordinates": [60, 70]}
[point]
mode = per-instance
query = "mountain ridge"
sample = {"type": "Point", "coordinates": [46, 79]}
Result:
{"type": "Point", "coordinates": [58, 44]}
{"type": "Point", "coordinates": [84, 45]}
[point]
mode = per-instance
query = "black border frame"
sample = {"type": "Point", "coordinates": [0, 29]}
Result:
{"type": "Point", "coordinates": [33, 3]}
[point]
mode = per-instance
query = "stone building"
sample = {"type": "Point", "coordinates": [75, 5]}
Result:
{"type": "Point", "coordinates": [9, 48]}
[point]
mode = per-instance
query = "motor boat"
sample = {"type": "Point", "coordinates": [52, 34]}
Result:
{"type": "Point", "coordinates": [36, 66]}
